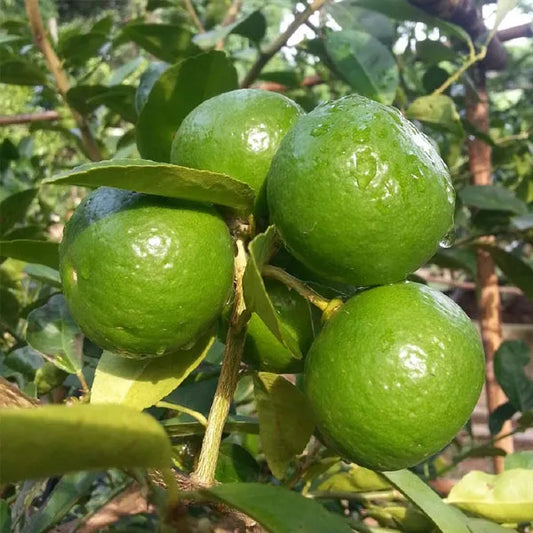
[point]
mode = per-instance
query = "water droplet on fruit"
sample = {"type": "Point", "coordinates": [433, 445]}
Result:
{"type": "Point", "coordinates": [448, 239]}
{"type": "Point", "coordinates": [319, 130]}
{"type": "Point", "coordinates": [450, 194]}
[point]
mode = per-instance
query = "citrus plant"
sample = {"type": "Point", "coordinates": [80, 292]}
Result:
{"type": "Point", "coordinates": [238, 326]}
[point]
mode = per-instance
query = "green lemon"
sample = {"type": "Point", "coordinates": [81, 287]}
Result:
{"type": "Point", "coordinates": [358, 194]}
{"type": "Point", "coordinates": [262, 350]}
{"type": "Point", "coordinates": [145, 275]}
{"type": "Point", "coordinates": [394, 375]}
{"type": "Point", "coordinates": [236, 133]}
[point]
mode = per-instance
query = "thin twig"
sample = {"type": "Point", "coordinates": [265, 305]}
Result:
{"type": "Point", "coordinates": [60, 77]}
{"type": "Point", "coordinates": [280, 42]}
{"type": "Point", "coordinates": [194, 16]}
{"type": "Point", "coordinates": [467, 285]}
{"type": "Point", "coordinates": [182, 409]}
{"type": "Point", "coordinates": [230, 18]}
{"type": "Point", "coordinates": [25, 118]}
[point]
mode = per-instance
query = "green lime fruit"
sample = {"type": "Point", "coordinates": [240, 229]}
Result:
{"type": "Point", "coordinates": [145, 275]}
{"type": "Point", "coordinates": [358, 194]}
{"type": "Point", "coordinates": [394, 375]}
{"type": "Point", "coordinates": [236, 133]}
{"type": "Point", "coordinates": [262, 350]}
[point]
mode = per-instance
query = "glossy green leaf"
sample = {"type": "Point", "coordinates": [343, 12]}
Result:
{"type": "Point", "coordinates": [277, 509]}
{"type": "Point", "coordinates": [24, 360]}
{"type": "Point", "coordinates": [68, 491]}
{"type": "Point", "coordinates": [40, 252]}
{"type": "Point", "coordinates": [257, 300]}
{"type": "Point", "coordinates": [142, 383]}
{"type": "Point", "coordinates": [499, 416]}
{"type": "Point", "coordinates": [52, 332]}
{"type": "Point", "coordinates": [479, 525]}
{"type": "Point", "coordinates": [492, 197]}
{"type": "Point", "coordinates": [168, 42]}
{"type": "Point", "coordinates": [411, 486]}
{"type": "Point", "coordinates": [44, 274]}
{"type": "Point", "coordinates": [175, 94]}
{"type": "Point", "coordinates": [234, 424]}
{"type": "Point", "coordinates": [147, 81]}
{"type": "Point", "coordinates": [235, 465]}
{"type": "Point", "coordinates": [21, 72]}
{"type": "Point", "coordinates": [438, 110]}
{"type": "Point", "coordinates": [285, 420]}
{"type": "Point", "coordinates": [355, 479]}
{"type": "Point", "coordinates": [509, 362]}
{"type": "Point", "coordinates": [523, 459]}
{"type": "Point", "coordinates": [516, 270]}
{"type": "Point", "coordinates": [367, 65]}
{"type": "Point", "coordinates": [506, 497]}
{"type": "Point", "coordinates": [161, 179]}
{"type": "Point", "coordinates": [57, 439]}
{"type": "Point", "coordinates": [13, 208]}
{"type": "Point", "coordinates": [77, 48]}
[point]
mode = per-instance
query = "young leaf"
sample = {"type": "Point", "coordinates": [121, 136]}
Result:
{"type": "Point", "coordinates": [492, 197]}
{"type": "Point", "coordinates": [285, 420]}
{"type": "Point", "coordinates": [506, 497]}
{"type": "Point", "coordinates": [177, 92]}
{"type": "Point", "coordinates": [277, 509]}
{"type": "Point", "coordinates": [437, 109]}
{"type": "Point", "coordinates": [56, 439]}
{"type": "Point", "coordinates": [255, 294]}
{"type": "Point", "coordinates": [40, 252]}
{"type": "Point", "coordinates": [517, 271]}
{"type": "Point", "coordinates": [52, 332]}
{"type": "Point", "coordinates": [367, 65]}
{"type": "Point", "coordinates": [509, 362]}
{"type": "Point", "coordinates": [68, 491]}
{"type": "Point", "coordinates": [142, 383]}
{"type": "Point", "coordinates": [161, 179]}
{"type": "Point", "coordinates": [411, 486]}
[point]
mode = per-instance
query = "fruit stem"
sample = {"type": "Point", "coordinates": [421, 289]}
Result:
{"type": "Point", "coordinates": [204, 474]}
{"type": "Point", "coordinates": [309, 294]}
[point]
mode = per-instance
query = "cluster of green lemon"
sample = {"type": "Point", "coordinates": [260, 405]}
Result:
{"type": "Point", "coordinates": [360, 197]}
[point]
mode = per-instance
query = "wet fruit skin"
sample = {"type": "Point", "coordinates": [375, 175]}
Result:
{"type": "Point", "coordinates": [145, 275]}
{"type": "Point", "coordinates": [236, 133]}
{"type": "Point", "coordinates": [358, 194]}
{"type": "Point", "coordinates": [394, 375]}
{"type": "Point", "coordinates": [262, 350]}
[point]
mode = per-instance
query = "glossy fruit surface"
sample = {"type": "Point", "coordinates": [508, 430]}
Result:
{"type": "Point", "coordinates": [394, 375]}
{"type": "Point", "coordinates": [235, 133]}
{"type": "Point", "coordinates": [145, 275]}
{"type": "Point", "coordinates": [358, 194]}
{"type": "Point", "coordinates": [262, 350]}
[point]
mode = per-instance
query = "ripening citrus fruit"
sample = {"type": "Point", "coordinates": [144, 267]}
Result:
{"type": "Point", "coordinates": [394, 375]}
{"type": "Point", "coordinates": [262, 350]}
{"type": "Point", "coordinates": [145, 275]}
{"type": "Point", "coordinates": [358, 194]}
{"type": "Point", "coordinates": [235, 133]}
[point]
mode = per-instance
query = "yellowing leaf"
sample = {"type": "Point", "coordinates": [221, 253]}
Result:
{"type": "Point", "coordinates": [142, 383]}
{"type": "Point", "coordinates": [506, 497]}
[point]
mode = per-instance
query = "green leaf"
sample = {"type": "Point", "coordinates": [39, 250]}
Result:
{"type": "Point", "coordinates": [125, 71]}
{"type": "Point", "coordinates": [456, 258]}
{"type": "Point", "coordinates": [435, 51]}
{"type": "Point", "coordinates": [68, 491]}
{"type": "Point", "coordinates": [436, 109]}
{"type": "Point", "coordinates": [478, 525]}
{"type": "Point", "coordinates": [411, 486]}
{"type": "Point", "coordinates": [56, 439]}
{"type": "Point", "coordinates": [355, 479]}
{"type": "Point", "coordinates": [506, 497]}
{"type": "Point", "coordinates": [252, 26]}
{"type": "Point", "coordinates": [517, 271]}
{"type": "Point", "coordinates": [492, 197]}
{"type": "Point", "coordinates": [285, 420]}
{"type": "Point", "coordinates": [168, 42]}
{"type": "Point", "coordinates": [235, 464]}
{"type": "Point", "coordinates": [504, 6]}
{"type": "Point", "coordinates": [367, 65]}
{"type": "Point", "coordinates": [523, 222]}
{"type": "Point", "coordinates": [499, 416]}
{"type": "Point", "coordinates": [277, 509]}
{"type": "Point", "coordinates": [52, 332]}
{"type": "Point", "coordinates": [44, 274]}
{"type": "Point", "coordinates": [162, 179]}
{"type": "Point", "coordinates": [175, 94]}
{"type": "Point", "coordinates": [24, 360]}
{"type": "Point", "coordinates": [77, 48]}
{"type": "Point", "coordinates": [146, 82]}
{"type": "Point", "coordinates": [21, 72]}
{"type": "Point", "coordinates": [509, 362]}
{"type": "Point", "coordinates": [257, 300]}
{"type": "Point", "coordinates": [5, 517]}
{"type": "Point", "coordinates": [234, 424]}
{"type": "Point", "coordinates": [80, 96]}
{"type": "Point", "coordinates": [142, 383]}
{"type": "Point", "coordinates": [519, 460]}
{"type": "Point", "coordinates": [40, 252]}
{"type": "Point", "coordinates": [13, 208]}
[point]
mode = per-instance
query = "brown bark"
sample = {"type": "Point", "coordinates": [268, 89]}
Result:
{"type": "Point", "coordinates": [12, 396]}
{"type": "Point", "coordinates": [524, 30]}
{"type": "Point", "coordinates": [477, 112]}
{"type": "Point", "coordinates": [25, 118]}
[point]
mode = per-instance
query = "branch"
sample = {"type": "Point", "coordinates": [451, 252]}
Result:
{"type": "Point", "coordinates": [60, 77]}
{"type": "Point", "coordinates": [280, 42]}
{"type": "Point", "coordinates": [194, 16]}
{"type": "Point", "coordinates": [7, 120]}
{"type": "Point", "coordinates": [12, 396]}
{"type": "Point", "coordinates": [230, 18]}
{"type": "Point", "coordinates": [524, 30]}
